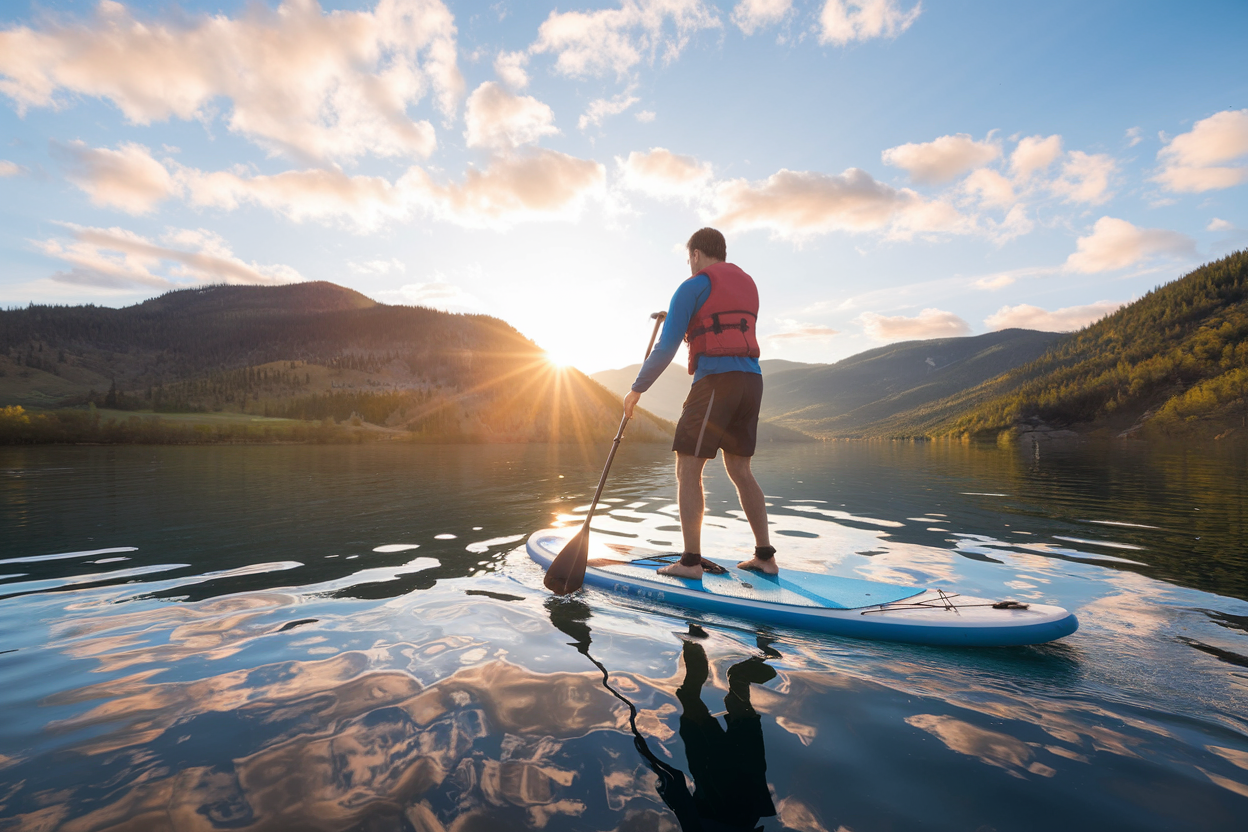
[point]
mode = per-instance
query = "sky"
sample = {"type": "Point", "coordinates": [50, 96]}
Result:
{"type": "Point", "coordinates": [885, 169]}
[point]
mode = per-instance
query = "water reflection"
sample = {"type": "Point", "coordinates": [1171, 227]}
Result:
{"type": "Point", "coordinates": [295, 641]}
{"type": "Point", "coordinates": [729, 766]}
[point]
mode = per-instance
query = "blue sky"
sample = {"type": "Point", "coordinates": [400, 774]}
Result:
{"type": "Point", "coordinates": [885, 169]}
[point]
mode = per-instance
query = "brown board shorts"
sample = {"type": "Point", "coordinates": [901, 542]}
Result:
{"type": "Point", "coordinates": [720, 412]}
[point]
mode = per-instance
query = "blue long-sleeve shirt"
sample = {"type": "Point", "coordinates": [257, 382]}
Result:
{"type": "Point", "coordinates": [687, 300]}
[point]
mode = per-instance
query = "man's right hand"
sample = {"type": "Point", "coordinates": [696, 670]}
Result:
{"type": "Point", "coordinates": [630, 402]}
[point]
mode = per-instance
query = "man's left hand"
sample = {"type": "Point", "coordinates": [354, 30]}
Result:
{"type": "Point", "coordinates": [630, 402]}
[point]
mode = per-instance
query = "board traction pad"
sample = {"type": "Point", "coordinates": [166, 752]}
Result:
{"type": "Point", "coordinates": [799, 589]}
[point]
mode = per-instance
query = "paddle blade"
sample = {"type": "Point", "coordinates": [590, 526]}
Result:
{"type": "Point", "coordinates": [567, 570]}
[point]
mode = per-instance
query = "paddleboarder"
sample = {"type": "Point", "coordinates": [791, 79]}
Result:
{"type": "Point", "coordinates": [716, 311]}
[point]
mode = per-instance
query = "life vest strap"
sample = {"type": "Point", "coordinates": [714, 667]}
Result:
{"type": "Point", "coordinates": [718, 326]}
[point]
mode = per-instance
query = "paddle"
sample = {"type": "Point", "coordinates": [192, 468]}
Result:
{"type": "Point", "coordinates": [567, 570]}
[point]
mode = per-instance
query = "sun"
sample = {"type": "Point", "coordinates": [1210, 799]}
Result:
{"type": "Point", "coordinates": [559, 360]}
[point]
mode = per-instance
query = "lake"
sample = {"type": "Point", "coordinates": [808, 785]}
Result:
{"type": "Point", "coordinates": [352, 638]}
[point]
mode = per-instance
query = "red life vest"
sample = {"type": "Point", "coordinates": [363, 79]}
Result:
{"type": "Point", "coordinates": [725, 323]}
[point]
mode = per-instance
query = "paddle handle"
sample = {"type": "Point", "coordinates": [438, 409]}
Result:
{"type": "Point", "coordinates": [658, 318]}
{"type": "Point", "coordinates": [658, 321]}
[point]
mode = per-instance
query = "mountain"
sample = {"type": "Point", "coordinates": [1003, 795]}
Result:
{"type": "Point", "coordinates": [865, 394]}
{"type": "Point", "coordinates": [305, 351]}
{"type": "Point", "coordinates": [1172, 363]}
{"type": "Point", "coordinates": [862, 395]}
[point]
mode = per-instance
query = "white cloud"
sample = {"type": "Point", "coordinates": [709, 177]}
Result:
{"type": "Point", "coordinates": [1117, 244]}
{"type": "Point", "coordinates": [514, 187]}
{"type": "Point", "coordinates": [1133, 136]}
{"type": "Point", "coordinates": [990, 188]}
{"type": "Point", "coordinates": [941, 160]}
{"type": "Point", "coordinates": [843, 21]}
{"type": "Point", "coordinates": [496, 118]}
{"type": "Point", "coordinates": [1085, 178]}
{"type": "Point", "coordinates": [791, 330]}
{"type": "Point", "coordinates": [1034, 154]}
{"type": "Point", "coordinates": [663, 174]}
{"type": "Point", "coordinates": [995, 282]}
{"type": "Point", "coordinates": [8, 168]}
{"type": "Point", "coordinates": [509, 67]}
{"type": "Point", "coordinates": [645, 116]}
{"type": "Point", "coordinates": [616, 40]}
{"type": "Point", "coordinates": [1195, 162]}
{"type": "Point", "coordinates": [298, 80]}
{"type": "Point", "coordinates": [930, 323]}
{"type": "Point", "coordinates": [1217, 224]}
{"type": "Point", "coordinates": [127, 178]}
{"type": "Point", "coordinates": [1025, 316]}
{"type": "Point", "coordinates": [537, 185]}
{"type": "Point", "coordinates": [378, 266]}
{"type": "Point", "coordinates": [1016, 223]}
{"type": "Point", "coordinates": [801, 203]}
{"type": "Point", "coordinates": [601, 108]}
{"type": "Point", "coordinates": [114, 258]}
{"type": "Point", "coordinates": [752, 15]}
{"type": "Point", "coordinates": [438, 294]}
{"type": "Point", "coordinates": [365, 202]}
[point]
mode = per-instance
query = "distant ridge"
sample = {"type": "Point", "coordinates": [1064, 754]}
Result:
{"type": "Point", "coordinates": [866, 394]}
{"type": "Point", "coordinates": [311, 351]}
{"type": "Point", "coordinates": [666, 397]}
{"type": "Point", "coordinates": [291, 298]}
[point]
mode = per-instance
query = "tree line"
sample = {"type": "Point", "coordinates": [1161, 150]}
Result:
{"type": "Point", "coordinates": [1180, 354]}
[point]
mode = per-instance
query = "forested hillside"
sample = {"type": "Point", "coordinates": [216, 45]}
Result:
{"type": "Point", "coordinates": [1173, 363]}
{"type": "Point", "coordinates": [308, 352]}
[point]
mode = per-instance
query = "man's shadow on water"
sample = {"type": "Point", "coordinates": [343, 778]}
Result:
{"type": "Point", "coordinates": [728, 765]}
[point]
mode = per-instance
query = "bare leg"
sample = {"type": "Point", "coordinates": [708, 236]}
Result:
{"type": "Point", "coordinates": [754, 504]}
{"type": "Point", "coordinates": [692, 504]}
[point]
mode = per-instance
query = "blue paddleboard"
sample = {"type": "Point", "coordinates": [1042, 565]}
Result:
{"type": "Point", "coordinates": [844, 606]}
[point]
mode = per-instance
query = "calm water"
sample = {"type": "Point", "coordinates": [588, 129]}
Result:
{"type": "Point", "coordinates": [352, 638]}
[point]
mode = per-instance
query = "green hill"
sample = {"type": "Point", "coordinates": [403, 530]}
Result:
{"type": "Point", "coordinates": [1173, 363]}
{"type": "Point", "coordinates": [879, 392]}
{"type": "Point", "coordinates": [306, 351]}
{"type": "Point", "coordinates": [866, 394]}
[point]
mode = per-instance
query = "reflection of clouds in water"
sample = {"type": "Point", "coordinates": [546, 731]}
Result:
{"type": "Point", "coordinates": [1227, 783]}
{"type": "Point", "coordinates": [849, 517]}
{"type": "Point", "coordinates": [1085, 728]}
{"type": "Point", "coordinates": [1135, 611]}
{"type": "Point", "coordinates": [795, 814]}
{"type": "Point", "coordinates": [990, 747]}
{"type": "Point", "coordinates": [213, 630]}
{"type": "Point", "coordinates": [909, 564]}
{"type": "Point", "coordinates": [805, 733]}
{"type": "Point", "coordinates": [338, 745]}
{"type": "Point", "coordinates": [623, 786]}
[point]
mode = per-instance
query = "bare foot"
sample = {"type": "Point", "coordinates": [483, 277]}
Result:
{"type": "Point", "coordinates": [679, 570]}
{"type": "Point", "coordinates": [767, 567]}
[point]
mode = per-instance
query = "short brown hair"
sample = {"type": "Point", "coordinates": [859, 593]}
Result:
{"type": "Point", "coordinates": [710, 242]}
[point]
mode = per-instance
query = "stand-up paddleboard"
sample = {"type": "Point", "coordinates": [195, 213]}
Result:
{"type": "Point", "coordinates": [844, 606]}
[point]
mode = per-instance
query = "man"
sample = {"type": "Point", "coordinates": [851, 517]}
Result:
{"type": "Point", "coordinates": [716, 311]}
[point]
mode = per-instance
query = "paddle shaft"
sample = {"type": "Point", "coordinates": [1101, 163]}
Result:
{"type": "Point", "coordinates": [566, 572]}
{"type": "Point", "coordinates": [619, 434]}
